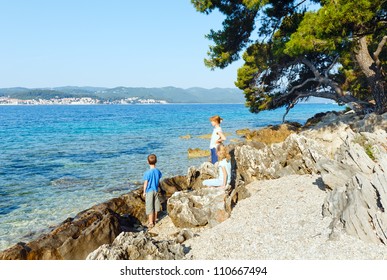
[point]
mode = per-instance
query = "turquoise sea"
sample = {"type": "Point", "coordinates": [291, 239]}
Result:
{"type": "Point", "coordinates": [58, 160]}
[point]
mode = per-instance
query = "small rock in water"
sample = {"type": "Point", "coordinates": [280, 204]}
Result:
{"type": "Point", "coordinates": [195, 153]}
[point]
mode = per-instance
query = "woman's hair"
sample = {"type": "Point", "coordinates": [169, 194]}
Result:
{"type": "Point", "coordinates": [216, 119]}
{"type": "Point", "coordinates": [223, 153]}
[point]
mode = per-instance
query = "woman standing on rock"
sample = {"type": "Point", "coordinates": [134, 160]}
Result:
{"type": "Point", "coordinates": [217, 137]}
{"type": "Point", "coordinates": [224, 177]}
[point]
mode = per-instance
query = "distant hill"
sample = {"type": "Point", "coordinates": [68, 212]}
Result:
{"type": "Point", "coordinates": [170, 94]}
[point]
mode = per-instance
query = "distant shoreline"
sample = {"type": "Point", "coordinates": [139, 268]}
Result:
{"type": "Point", "coordinates": [121, 95]}
{"type": "Point", "coordinates": [99, 104]}
{"type": "Point", "coordinates": [146, 104]}
{"type": "Point", "coordinates": [131, 95]}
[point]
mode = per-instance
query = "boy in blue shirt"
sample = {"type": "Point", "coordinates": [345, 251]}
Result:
{"type": "Point", "coordinates": [151, 190]}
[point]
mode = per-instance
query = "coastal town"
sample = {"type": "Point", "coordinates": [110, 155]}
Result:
{"type": "Point", "coordinates": [78, 101]}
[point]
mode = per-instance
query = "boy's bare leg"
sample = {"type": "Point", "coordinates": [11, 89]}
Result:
{"type": "Point", "coordinates": [155, 217]}
{"type": "Point", "coordinates": [151, 219]}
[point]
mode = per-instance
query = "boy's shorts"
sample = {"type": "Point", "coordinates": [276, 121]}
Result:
{"type": "Point", "coordinates": [152, 202]}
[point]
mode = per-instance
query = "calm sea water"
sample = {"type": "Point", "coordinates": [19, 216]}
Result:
{"type": "Point", "coordinates": [58, 160]}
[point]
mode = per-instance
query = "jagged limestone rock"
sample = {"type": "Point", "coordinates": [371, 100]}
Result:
{"type": "Point", "coordinates": [173, 184]}
{"type": "Point", "coordinates": [358, 199]}
{"type": "Point", "coordinates": [76, 237]}
{"type": "Point", "coordinates": [138, 246]}
{"type": "Point", "coordinates": [184, 235]}
{"type": "Point", "coordinates": [296, 155]}
{"type": "Point", "coordinates": [198, 208]}
{"type": "Point", "coordinates": [196, 176]}
{"type": "Point", "coordinates": [271, 134]}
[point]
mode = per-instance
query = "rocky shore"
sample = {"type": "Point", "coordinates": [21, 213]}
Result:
{"type": "Point", "coordinates": [312, 192]}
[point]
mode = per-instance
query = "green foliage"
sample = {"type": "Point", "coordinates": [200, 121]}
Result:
{"type": "Point", "coordinates": [306, 39]}
{"type": "Point", "coordinates": [204, 6]}
{"type": "Point", "coordinates": [233, 38]}
{"type": "Point", "coordinates": [366, 145]}
{"type": "Point", "coordinates": [255, 4]}
{"type": "Point", "coordinates": [333, 26]}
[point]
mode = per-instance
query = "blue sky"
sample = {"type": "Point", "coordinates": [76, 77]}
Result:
{"type": "Point", "coordinates": [153, 43]}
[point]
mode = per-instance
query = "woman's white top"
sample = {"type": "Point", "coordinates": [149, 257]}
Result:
{"type": "Point", "coordinates": [215, 137]}
{"type": "Point", "coordinates": [226, 164]}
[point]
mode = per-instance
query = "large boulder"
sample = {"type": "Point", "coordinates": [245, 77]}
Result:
{"type": "Point", "coordinates": [193, 179]}
{"type": "Point", "coordinates": [174, 184]}
{"type": "Point", "coordinates": [76, 237]}
{"type": "Point", "coordinates": [296, 155]}
{"type": "Point", "coordinates": [73, 239]}
{"type": "Point", "coordinates": [138, 246]}
{"type": "Point", "coordinates": [196, 175]}
{"type": "Point", "coordinates": [201, 207]}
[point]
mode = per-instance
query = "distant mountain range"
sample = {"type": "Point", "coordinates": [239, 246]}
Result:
{"type": "Point", "coordinates": [169, 94]}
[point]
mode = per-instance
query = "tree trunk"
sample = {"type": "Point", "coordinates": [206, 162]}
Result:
{"type": "Point", "coordinates": [374, 76]}
{"type": "Point", "coordinates": [380, 96]}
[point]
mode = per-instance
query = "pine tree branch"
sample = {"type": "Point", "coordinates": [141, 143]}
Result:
{"type": "Point", "coordinates": [331, 66]}
{"type": "Point", "coordinates": [322, 80]}
{"type": "Point", "coordinates": [379, 50]}
{"type": "Point", "coordinates": [310, 65]}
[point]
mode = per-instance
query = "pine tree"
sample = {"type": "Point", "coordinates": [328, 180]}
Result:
{"type": "Point", "coordinates": [295, 49]}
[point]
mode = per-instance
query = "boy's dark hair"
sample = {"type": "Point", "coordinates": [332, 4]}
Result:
{"type": "Point", "coordinates": [152, 159]}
